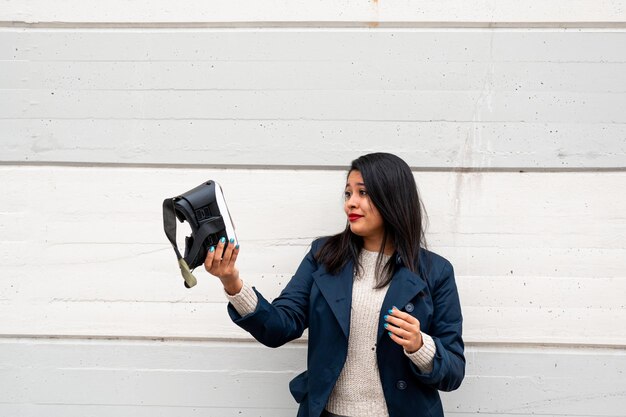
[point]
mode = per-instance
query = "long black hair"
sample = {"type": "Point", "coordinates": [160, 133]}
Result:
{"type": "Point", "coordinates": [392, 190]}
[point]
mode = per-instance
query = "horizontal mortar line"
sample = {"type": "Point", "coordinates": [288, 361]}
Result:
{"type": "Point", "coordinates": [567, 310]}
{"type": "Point", "coordinates": [304, 60]}
{"type": "Point", "coordinates": [317, 120]}
{"type": "Point", "coordinates": [185, 370]}
{"type": "Point", "coordinates": [302, 341]}
{"type": "Point", "coordinates": [360, 24]}
{"type": "Point", "coordinates": [143, 405]}
{"type": "Point", "coordinates": [546, 124]}
{"type": "Point", "coordinates": [498, 413]}
{"type": "Point", "coordinates": [300, 167]}
{"type": "Point", "coordinates": [522, 92]}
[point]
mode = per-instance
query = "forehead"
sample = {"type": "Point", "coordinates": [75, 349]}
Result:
{"type": "Point", "coordinates": [354, 178]}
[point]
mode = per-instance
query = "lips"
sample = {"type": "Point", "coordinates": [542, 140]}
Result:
{"type": "Point", "coordinates": [354, 217]}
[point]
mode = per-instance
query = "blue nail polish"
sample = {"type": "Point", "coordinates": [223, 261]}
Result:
{"type": "Point", "coordinates": [386, 325]}
{"type": "Point", "coordinates": [390, 311]}
{"type": "Point", "coordinates": [222, 240]}
{"type": "Point", "coordinates": [237, 246]}
{"type": "Point", "coordinates": [386, 317]}
{"type": "Point", "coordinates": [389, 333]}
{"type": "Point", "coordinates": [212, 249]}
{"type": "Point", "coordinates": [232, 240]}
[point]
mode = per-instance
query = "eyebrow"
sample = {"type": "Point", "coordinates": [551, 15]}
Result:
{"type": "Point", "coordinates": [358, 183]}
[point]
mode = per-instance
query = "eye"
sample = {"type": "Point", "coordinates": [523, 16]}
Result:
{"type": "Point", "coordinates": [347, 195]}
{"type": "Point", "coordinates": [363, 192]}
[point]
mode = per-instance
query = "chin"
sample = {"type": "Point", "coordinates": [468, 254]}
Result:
{"type": "Point", "coordinates": [356, 231]}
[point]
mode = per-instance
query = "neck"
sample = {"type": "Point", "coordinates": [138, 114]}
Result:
{"type": "Point", "coordinates": [373, 245]}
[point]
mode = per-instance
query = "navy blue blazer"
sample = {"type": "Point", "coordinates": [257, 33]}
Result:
{"type": "Point", "coordinates": [321, 302]}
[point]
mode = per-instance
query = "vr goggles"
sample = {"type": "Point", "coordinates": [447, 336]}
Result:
{"type": "Point", "coordinates": [204, 208]}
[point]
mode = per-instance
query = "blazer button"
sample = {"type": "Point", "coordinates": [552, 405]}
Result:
{"type": "Point", "coordinates": [401, 385]}
{"type": "Point", "coordinates": [409, 308]}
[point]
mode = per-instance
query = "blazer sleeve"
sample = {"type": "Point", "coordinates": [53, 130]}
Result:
{"type": "Point", "coordinates": [284, 319]}
{"type": "Point", "coordinates": [446, 330]}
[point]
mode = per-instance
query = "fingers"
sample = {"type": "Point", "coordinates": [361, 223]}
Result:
{"type": "Point", "coordinates": [229, 255]}
{"type": "Point", "coordinates": [213, 261]}
{"type": "Point", "coordinates": [403, 329]}
{"type": "Point", "coordinates": [209, 260]}
{"type": "Point", "coordinates": [403, 320]}
{"type": "Point", "coordinates": [220, 259]}
{"type": "Point", "coordinates": [401, 333]}
{"type": "Point", "coordinates": [233, 257]}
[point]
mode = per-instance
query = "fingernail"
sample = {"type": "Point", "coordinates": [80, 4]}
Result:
{"type": "Point", "coordinates": [237, 246]}
{"type": "Point", "coordinates": [222, 240]}
{"type": "Point", "coordinates": [389, 333]}
{"type": "Point", "coordinates": [232, 240]}
{"type": "Point", "coordinates": [390, 311]}
{"type": "Point", "coordinates": [212, 249]}
{"type": "Point", "coordinates": [386, 317]}
{"type": "Point", "coordinates": [386, 325]}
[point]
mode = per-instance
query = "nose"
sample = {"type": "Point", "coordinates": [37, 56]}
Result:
{"type": "Point", "coordinates": [352, 201]}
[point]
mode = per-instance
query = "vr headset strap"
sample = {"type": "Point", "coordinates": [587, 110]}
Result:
{"type": "Point", "coordinates": [214, 225]}
{"type": "Point", "coordinates": [169, 225]}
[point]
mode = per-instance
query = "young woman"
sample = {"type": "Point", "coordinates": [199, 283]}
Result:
{"type": "Point", "coordinates": [383, 313]}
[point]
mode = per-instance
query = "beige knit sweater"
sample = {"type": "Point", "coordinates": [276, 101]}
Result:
{"type": "Point", "coordinates": [358, 391]}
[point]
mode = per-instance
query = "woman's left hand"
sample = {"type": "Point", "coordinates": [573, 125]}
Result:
{"type": "Point", "coordinates": [404, 329]}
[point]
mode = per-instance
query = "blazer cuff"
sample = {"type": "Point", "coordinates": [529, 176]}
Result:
{"type": "Point", "coordinates": [245, 301]}
{"type": "Point", "coordinates": [425, 356]}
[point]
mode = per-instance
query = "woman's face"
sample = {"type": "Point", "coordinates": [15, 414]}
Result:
{"type": "Point", "coordinates": [364, 218]}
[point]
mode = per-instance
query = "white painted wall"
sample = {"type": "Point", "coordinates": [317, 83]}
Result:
{"type": "Point", "coordinates": [345, 12]}
{"type": "Point", "coordinates": [510, 113]}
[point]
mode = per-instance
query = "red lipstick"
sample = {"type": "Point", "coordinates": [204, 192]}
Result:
{"type": "Point", "coordinates": [354, 217]}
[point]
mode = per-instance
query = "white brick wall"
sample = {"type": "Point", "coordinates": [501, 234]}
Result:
{"type": "Point", "coordinates": [510, 113]}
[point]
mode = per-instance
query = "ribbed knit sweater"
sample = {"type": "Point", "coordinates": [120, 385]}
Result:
{"type": "Point", "coordinates": [358, 391]}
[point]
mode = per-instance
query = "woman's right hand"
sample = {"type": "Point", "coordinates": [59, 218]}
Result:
{"type": "Point", "coordinates": [220, 262]}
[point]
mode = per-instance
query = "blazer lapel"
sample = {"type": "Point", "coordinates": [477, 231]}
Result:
{"type": "Point", "coordinates": [337, 290]}
{"type": "Point", "coordinates": [403, 287]}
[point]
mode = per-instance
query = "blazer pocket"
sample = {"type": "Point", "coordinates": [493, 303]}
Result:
{"type": "Point", "coordinates": [299, 386]}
